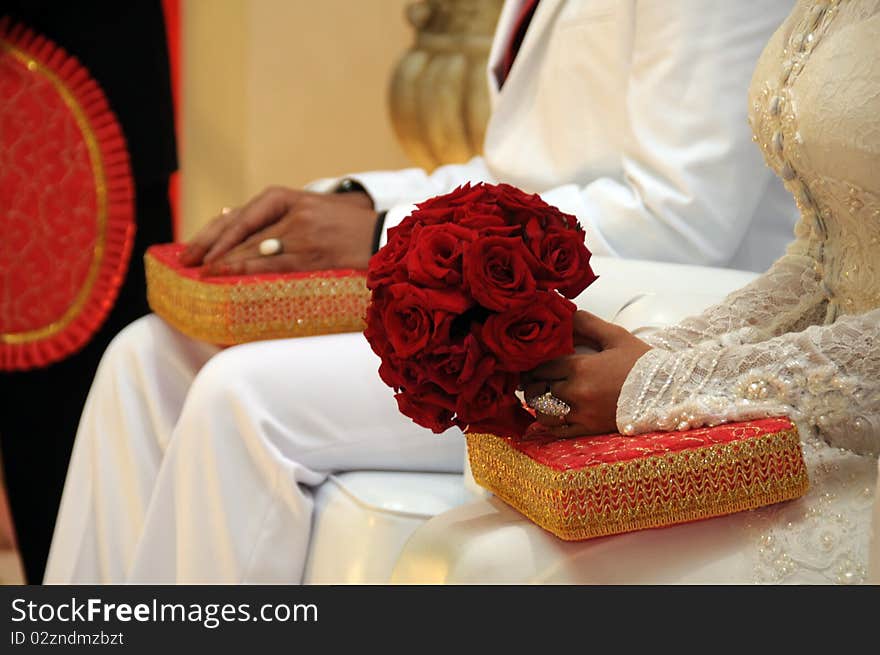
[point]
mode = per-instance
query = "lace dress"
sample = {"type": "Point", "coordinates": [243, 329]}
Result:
{"type": "Point", "coordinates": [804, 338]}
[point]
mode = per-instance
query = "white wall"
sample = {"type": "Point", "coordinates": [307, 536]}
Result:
{"type": "Point", "coordinates": [283, 92]}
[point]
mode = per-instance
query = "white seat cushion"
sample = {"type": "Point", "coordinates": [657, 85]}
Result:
{"type": "Point", "coordinates": [488, 542]}
{"type": "Point", "coordinates": [363, 518]}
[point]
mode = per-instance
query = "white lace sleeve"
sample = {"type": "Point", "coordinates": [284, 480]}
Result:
{"type": "Point", "coordinates": [826, 378]}
{"type": "Point", "coordinates": [787, 298]}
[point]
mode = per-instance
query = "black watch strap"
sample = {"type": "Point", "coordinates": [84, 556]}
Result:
{"type": "Point", "coordinates": [377, 231]}
{"type": "Point", "coordinates": [348, 185]}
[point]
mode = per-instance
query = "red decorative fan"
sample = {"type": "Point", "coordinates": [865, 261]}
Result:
{"type": "Point", "coordinates": [66, 202]}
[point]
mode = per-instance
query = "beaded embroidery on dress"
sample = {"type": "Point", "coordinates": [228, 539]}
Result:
{"type": "Point", "coordinates": [802, 339]}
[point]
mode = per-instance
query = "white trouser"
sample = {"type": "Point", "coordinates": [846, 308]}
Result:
{"type": "Point", "coordinates": [194, 464]}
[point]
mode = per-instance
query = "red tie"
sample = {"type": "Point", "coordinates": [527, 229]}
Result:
{"type": "Point", "coordinates": [519, 32]}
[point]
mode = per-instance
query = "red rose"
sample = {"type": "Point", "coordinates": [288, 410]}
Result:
{"type": "Point", "coordinates": [443, 366]}
{"type": "Point", "coordinates": [482, 399]}
{"type": "Point", "coordinates": [433, 216]}
{"type": "Point", "coordinates": [501, 231]}
{"type": "Point", "coordinates": [413, 317]}
{"type": "Point", "coordinates": [403, 230]}
{"type": "Point", "coordinates": [565, 262]}
{"type": "Point", "coordinates": [452, 366]}
{"type": "Point", "coordinates": [434, 258]}
{"type": "Point", "coordinates": [375, 328]}
{"type": "Point", "coordinates": [526, 336]}
{"type": "Point", "coordinates": [428, 406]}
{"type": "Point", "coordinates": [520, 206]}
{"type": "Point", "coordinates": [467, 195]}
{"type": "Point", "coordinates": [514, 198]}
{"type": "Point", "coordinates": [462, 195]}
{"type": "Point", "coordinates": [401, 373]}
{"type": "Point", "coordinates": [480, 219]}
{"type": "Point", "coordinates": [537, 223]}
{"type": "Point", "coordinates": [478, 363]}
{"type": "Point", "coordinates": [498, 272]}
{"type": "Point", "coordinates": [510, 421]}
{"type": "Point", "coordinates": [385, 266]}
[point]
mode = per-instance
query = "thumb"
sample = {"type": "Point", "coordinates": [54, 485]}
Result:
{"type": "Point", "coordinates": [589, 329]}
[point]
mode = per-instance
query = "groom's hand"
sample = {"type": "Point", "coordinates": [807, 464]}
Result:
{"type": "Point", "coordinates": [317, 231]}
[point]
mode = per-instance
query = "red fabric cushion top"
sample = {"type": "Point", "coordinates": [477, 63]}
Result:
{"type": "Point", "coordinates": [581, 452]}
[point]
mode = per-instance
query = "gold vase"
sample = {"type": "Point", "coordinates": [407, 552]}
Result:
{"type": "Point", "coordinates": [439, 93]}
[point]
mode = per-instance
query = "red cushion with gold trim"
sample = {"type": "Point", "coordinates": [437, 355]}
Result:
{"type": "Point", "coordinates": [594, 486]}
{"type": "Point", "coordinates": [66, 202]}
{"type": "Point", "coordinates": [228, 310]}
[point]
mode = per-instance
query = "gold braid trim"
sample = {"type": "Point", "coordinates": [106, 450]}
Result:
{"type": "Point", "coordinates": [228, 314]}
{"type": "Point", "coordinates": [651, 492]}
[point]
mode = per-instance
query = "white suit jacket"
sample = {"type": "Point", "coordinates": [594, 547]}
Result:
{"type": "Point", "coordinates": [631, 115]}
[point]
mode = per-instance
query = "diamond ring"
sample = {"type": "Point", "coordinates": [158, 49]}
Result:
{"type": "Point", "coordinates": [550, 405]}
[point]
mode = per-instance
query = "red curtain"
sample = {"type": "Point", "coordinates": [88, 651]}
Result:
{"type": "Point", "coordinates": [172, 28]}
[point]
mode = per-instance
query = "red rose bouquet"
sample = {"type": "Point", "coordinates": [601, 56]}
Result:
{"type": "Point", "coordinates": [469, 292]}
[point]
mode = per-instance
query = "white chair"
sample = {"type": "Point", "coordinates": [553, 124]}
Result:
{"type": "Point", "coordinates": [381, 526]}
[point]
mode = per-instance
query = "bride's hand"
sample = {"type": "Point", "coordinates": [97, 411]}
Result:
{"type": "Point", "coordinates": [317, 231]}
{"type": "Point", "coordinates": [589, 383]}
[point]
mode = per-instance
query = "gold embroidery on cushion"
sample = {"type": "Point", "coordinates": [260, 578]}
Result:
{"type": "Point", "coordinates": [643, 493]}
{"type": "Point", "coordinates": [227, 314]}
